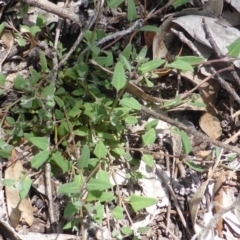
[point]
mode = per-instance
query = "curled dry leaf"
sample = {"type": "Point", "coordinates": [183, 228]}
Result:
{"type": "Point", "coordinates": [17, 209]}
{"type": "Point", "coordinates": [162, 40]}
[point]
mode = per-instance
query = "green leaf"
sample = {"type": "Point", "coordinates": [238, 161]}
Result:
{"type": "Point", "coordinates": [59, 115]}
{"type": "Point", "coordinates": [34, 29]}
{"type": "Point", "coordinates": [21, 42]}
{"type": "Point", "coordinates": [192, 60]}
{"type": "Point", "coordinates": [234, 48]}
{"type": "Point", "coordinates": [98, 185]}
{"type": "Point", "coordinates": [100, 196]}
{"type": "Point", "coordinates": [48, 91]}
{"type": "Point", "coordinates": [142, 53]}
{"type": "Point", "coordinates": [127, 51]}
{"type": "Point", "coordinates": [218, 151]}
{"type": "Point", "coordinates": [70, 72]}
{"type": "Point", "coordinates": [19, 82]}
{"type": "Point", "coordinates": [5, 153]}
{"type": "Point", "coordinates": [61, 162]}
{"type": "Point", "coordinates": [43, 61]}
{"type": "Point", "coordinates": [118, 212]}
{"type": "Point", "coordinates": [187, 147]}
{"type": "Point", "coordinates": [149, 28]}
{"type": "Point", "coordinates": [230, 156]}
{"type": "Point", "coordinates": [173, 103]}
{"type": "Point", "coordinates": [41, 21]}
{"type": "Point", "coordinates": [119, 78]}
{"type": "Point", "coordinates": [131, 103]}
{"type": "Point", "coordinates": [10, 120]}
{"type": "Point", "coordinates": [98, 212]}
{"type": "Point", "coordinates": [149, 137]}
{"type": "Point", "coordinates": [131, 13]}
{"type": "Point", "coordinates": [114, 3]}
{"type": "Point", "coordinates": [70, 209]}
{"type": "Point", "coordinates": [2, 26]}
{"type": "Point", "coordinates": [9, 182]}
{"type": "Point", "coordinates": [40, 142]}
{"type": "Point", "coordinates": [103, 175]}
{"type": "Point", "coordinates": [82, 131]}
{"type": "Point", "coordinates": [59, 101]}
{"type": "Point", "coordinates": [151, 124]}
{"type": "Point", "coordinates": [38, 160]}
{"type": "Point", "coordinates": [126, 231]}
{"type": "Point", "coordinates": [131, 120]}
{"type": "Point", "coordinates": [74, 112]}
{"type": "Point", "coordinates": [73, 224]}
{"type": "Point", "coordinates": [26, 185]}
{"type": "Point", "coordinates": [150, 66]}
{"type": "Point", "coordinates": [149, 83]}
{"type": "Point", "coordinates": [125, 62]}
{"type": "Point", "coordinates": [71, 187]}
{"type": "Point", "coordinates": [2, 79]}
{"type": "Point", "coordinates": [148, 159]}
{"type": "Point", "coordinates": [194, 166]}
{"type": "Point", "coordinates": [143, 229]}
{"type": "Point", "coordinates": [197, 104]}
{"type": "Point", "coordinates": [140, 202]}
{"type": "Point", "coordinates": [100, 150]}
{"type": "Point", "coordinates": [26, 103]}
{"type": "Point", "coordinates": [181, 65]}
{"type": "Point", "coordinates": [84, 158]}
{"type": "Point", "coordinates": [179, 3]}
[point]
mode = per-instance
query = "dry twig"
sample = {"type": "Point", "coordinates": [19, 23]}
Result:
{"type": "Point", "coordinates": [223, 83]}
{"type": "Point", "coordinates": [218, 51]}
{"type": "Point", "coordinates": [63, 12]}
{"type": "Point", "coordinates": [190, 130]}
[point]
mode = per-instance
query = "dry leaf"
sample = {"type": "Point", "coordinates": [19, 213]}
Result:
{"type": "Point", "coordinates": [210, 125]}
{"type": "Point", "coordinates": [148, 37]}
{"type": "Point", "coordinates": [8, 38]}
{"type": "Point", "coordinates": [17, 209]}
{"type": "Point", "coordinates": [223, 34]}
{"type": "Point", "coordinates": [209, 91]}
{"type": "Point", "coordinates": [162, 40]}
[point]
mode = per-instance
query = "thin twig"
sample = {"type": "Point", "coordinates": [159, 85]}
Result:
{"type": "Point", "coordinates": [190, 130]}
{"type": "Point", "coordinates": [217, 50]}
{"type": "Point", "coordinates": [136, 25]}
{"type": "Point", "coordinates": [63, 12]}
{"type": "Point", "coordinates": [50, 198]}
{"type": "Point", "coordinates": [185, 95]}
{"type": "Point", "coordinates": [203, 233]}
{"type": "Point", "coordinates": [92, 19]}
{"type": "Point", "coordinates": [160, 173]}
{"type": "Point", "coordinates": [223, 83]}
